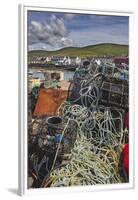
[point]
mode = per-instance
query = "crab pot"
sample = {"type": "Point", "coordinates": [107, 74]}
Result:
{"type": "Point", "coordinates": [114, 94]}
{"type": "Point", "coordinates": [55, 125]}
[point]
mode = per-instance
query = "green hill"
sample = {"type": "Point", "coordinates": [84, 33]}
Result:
{"type": "Point", "coordinates": [88, 51]}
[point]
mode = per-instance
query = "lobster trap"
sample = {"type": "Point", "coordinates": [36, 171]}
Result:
{"type": "Point", "coordinates": [113, 94]}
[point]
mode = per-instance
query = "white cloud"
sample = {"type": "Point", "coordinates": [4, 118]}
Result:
{"type": "Point", "coordinates": [48, 34]}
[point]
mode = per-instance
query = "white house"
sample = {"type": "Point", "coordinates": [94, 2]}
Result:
{"type": "Point", "coordinates": [78, 61]}
{"type": "Point", "coordinates": [48, 59]}
{"type": "Point", "coordinates": [67, 61]}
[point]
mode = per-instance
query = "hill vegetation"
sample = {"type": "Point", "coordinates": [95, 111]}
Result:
{"type": "Point", "coordinates": [88, 51]}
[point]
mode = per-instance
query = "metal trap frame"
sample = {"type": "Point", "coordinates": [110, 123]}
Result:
{"type": "Point", "coordinates": [114, 94]}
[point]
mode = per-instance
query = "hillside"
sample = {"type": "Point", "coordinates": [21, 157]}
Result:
{"type": "Point", "coordinates": [88, 51]}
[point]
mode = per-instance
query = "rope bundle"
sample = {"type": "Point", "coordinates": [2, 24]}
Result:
{"type": "Point", "coordinates": [96, 153]}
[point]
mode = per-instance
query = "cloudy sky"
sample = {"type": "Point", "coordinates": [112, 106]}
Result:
{"type": "Point", "coordinates": [52, 31]}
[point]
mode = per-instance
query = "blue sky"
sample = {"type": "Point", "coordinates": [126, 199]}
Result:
{"type": "Point", "coordinates": [52, 31]}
